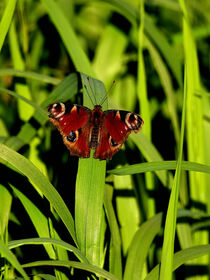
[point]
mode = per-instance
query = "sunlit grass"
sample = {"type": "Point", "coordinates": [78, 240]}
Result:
{"type": "Point", "coordinates": [104, 219]}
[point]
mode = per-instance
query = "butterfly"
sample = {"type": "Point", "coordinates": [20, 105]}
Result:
{"type": "Point", "coordinates": [84, 129]}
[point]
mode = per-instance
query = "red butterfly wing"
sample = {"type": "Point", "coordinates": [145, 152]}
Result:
{"type": "Point", "coordinates": [73, 123]}
{"type": "Point", "coordinates": [115, 129]}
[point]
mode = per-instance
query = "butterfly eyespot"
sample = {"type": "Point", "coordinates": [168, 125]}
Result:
{"type": "Point", "coordinates": [72, 136]}
{"type": "Point", "coordinates": [57, 106]}
{"type": "Point", "coordinates": [112, 142]}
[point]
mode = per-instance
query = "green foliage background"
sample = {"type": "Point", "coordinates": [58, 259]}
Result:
{"type": "Point", "coordinates": [142, 215]}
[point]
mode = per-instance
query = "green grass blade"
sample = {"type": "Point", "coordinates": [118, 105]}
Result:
{"type": "Point", "coordinates": [68, 36]}
{"type": "Point", "coordinates": [115, 260]}
{"type": "Point", "coordinates": [87, 267]}
{"type": "Point", "coordinates": [25, 111]}
{"type": "Point", "coordinates": [42, 112]}
{"type": "Point", "coordinates": [166, 81]}
{"type": "Point", "coordinates": [6, 20]}
{"type": "Point", "coordinates": [41, 182]}
{"type": "Point", "coordinates": [194, 115]}
{"type": "Point", "coordinates": [170, 225]}
{"type": "Point", "coordinates": [152, 31]}
{"type": "Point", "coordinates": [160, 165]}
{"type": "Point", "coordinates": [150, 153]}
{"type": "Point", "coordinates": [64, 91]}
{"type": "Point", "coordinates": [181, 258]}
{"type": "Point", "coordinates": [30, 75]}
{"type": "Point", "coordinates": [41, 241]}
{"type": "Point", "coordinates": [39, 221]}
{"type": "Point", "coordinates": [127, 209]}
{"type": "Point", "coordinates": [144, 101]}
{"type": "Point", "coordinates": [140, 245]}
{"type": "Point", "coordinates": [7, 254]}
{"type": "Point", "coordinates": [90, 192]}
{"type": "Point", "coordinates": [5, 207]}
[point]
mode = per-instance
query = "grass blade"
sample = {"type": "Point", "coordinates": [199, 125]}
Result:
{"type": "Point", "coordinates": [87, 267]}
{"type": "Point", "coordinates": [6, 253]}
{"type": "Point", "coordinates": [160, 165]}
{"type": "Point", "coordinates": [170, 225]}
{"type": "Point", "coordinates": [6, 20]}
{"type": "Point", "coordinates": [68, 36]}
{"type": "Point", "coordinates": [41, 182]}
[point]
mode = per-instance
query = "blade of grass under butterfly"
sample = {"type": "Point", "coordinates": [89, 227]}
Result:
{"type": "Point", "coordinates": [90, 189]}
{"type": "Point", "coordinates": [166, 267]}
{"type": "Point", "coordinates": [6, 20]}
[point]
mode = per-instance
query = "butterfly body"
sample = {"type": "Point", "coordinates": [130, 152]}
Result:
{"type": "Point", "coordinates": [84, 129]}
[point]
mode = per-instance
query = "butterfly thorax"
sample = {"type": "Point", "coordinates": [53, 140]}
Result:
{"type": "Point", "coordinates": [95, 120]}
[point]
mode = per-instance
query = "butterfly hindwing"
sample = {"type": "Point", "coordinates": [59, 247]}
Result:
{"type": "Point", "coordinates": [73, 123]}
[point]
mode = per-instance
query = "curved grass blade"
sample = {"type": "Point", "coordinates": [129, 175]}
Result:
{"type": "Point", "coordinates": [41, 182]}
{"type": "Point", "coordinates": [41, 241]}
{"type": "Point", "coordinates": [181, 258]}
{"type": "Point", "coordinates": [34, 105]}
{"type": "Point", "coordinates": [64, 91]}
{"type": "Point", "coordinates": [30, 75]}
{"type": "Point", "coordinates": [160, 165]}
{"type": "Point", "coordinates": [139, 247]}
{"type": "Point", "coordinates": [87, 267]}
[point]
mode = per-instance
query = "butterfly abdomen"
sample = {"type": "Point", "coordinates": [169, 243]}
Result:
{"type": "Point", "coordinates": [96, 123]}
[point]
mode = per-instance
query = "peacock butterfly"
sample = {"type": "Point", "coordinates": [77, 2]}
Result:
{"type": "Point", "coordinates": [83, 129]}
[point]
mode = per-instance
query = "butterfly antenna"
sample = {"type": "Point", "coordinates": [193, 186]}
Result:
{"type": "Point", "coordinates": [89, 95]}
{"type": "Point", "coordinates": [106, 96]}
{"type": "Point", "coordinates": [92, 91]}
